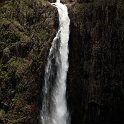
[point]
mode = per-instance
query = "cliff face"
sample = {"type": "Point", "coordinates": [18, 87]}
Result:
{"type": "Point", "coordinates": [95, 77]}
{"type": "Point", "coordinates": [26, 30]}
{"type": "Point", "coordinates": [95, 88]}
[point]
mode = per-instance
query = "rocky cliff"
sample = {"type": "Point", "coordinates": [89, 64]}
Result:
{"type": "Point", "coordinates": [95, 77]}
{"type": "Point", "coordinates": [26, 30]}
{"type": "Point", "coordinates": [95, 88]}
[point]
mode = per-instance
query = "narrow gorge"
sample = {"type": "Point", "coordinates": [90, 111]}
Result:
{"type": "Point", "coordinates": [95, 77]}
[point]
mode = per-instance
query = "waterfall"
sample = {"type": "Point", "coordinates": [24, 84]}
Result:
{"type": "Point", "coordinates": [54, 106]}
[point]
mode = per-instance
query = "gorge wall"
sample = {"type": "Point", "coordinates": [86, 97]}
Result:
{"type": "Point", "coordinates": [95, 88]}
{"type": "Point", "coordinates": [27, 28]}
{"type": "Point", "coordinates": [95, 78]}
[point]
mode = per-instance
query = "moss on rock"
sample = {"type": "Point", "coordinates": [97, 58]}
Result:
{"type": "Point", "coordinates": [27, 29]}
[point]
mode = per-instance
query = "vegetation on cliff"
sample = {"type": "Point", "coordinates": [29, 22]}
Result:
{"type": "Point", "coordinates": [26, 31]}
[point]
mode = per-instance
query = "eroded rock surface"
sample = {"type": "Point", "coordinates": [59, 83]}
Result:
{"type": "Point", "coordinates": [95, 78]}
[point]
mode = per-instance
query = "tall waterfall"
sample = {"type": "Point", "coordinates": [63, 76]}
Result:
{"type": "Point", "coordinates": [54, 106]}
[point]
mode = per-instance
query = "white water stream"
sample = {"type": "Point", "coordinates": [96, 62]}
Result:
{"type": "Point", "coordinates": [54, 106]}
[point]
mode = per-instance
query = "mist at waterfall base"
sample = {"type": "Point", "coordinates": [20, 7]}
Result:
{"type": "Point", "coordinates": [54, 106]}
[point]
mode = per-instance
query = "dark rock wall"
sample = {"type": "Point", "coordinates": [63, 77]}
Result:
{"type": "Point", "coordinates": [95, 89]}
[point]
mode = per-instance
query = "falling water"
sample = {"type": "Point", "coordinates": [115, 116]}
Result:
{"type": "Point", "coordinates": [54, 106]}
